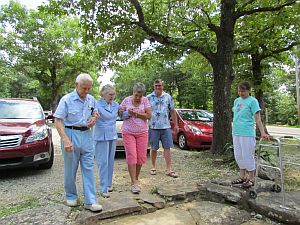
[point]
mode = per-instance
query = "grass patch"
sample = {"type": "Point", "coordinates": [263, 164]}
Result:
{"type": "Point", "coordinates": [154, 190]}
{"type": "Point", "coordinates": [28, 203]}
{"type": "Point", "coordinates": [295, 126]}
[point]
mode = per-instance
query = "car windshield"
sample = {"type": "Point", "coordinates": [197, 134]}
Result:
{"type": "Point", "coordinates": [20, 110]}
{"type": "Point", "coordinates": [193, 115]}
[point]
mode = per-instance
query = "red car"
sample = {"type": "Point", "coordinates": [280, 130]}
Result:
{"type": "Point", "coordinates": [25, 137]}
{"type": "Point", "coordinates": [195, 129]}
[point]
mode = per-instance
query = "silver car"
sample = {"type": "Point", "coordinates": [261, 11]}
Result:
{"type": "Point", "coordinates": [120, 145]}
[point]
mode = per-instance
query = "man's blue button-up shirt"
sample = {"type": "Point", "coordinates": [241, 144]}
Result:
{"type": "Point", "coordinates": [74, 111]}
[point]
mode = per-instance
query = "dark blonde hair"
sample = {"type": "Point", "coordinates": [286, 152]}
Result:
{"type": "Point", "coordinates": [244, 85]}
{"type": "Point", "coordinates": [157, 81]}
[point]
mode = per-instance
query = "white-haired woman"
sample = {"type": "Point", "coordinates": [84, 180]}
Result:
{"type": "Point", "coordinates": [105, 137]}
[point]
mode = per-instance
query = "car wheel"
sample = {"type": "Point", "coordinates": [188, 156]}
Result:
{"type": "Point", "coordinates": [48, 164]}
{"type": "Point", "coordinates": [182, 141]}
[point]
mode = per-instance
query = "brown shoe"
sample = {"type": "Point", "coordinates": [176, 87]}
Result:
{"type": "Point", "coordinates": [248, 184]}
{"type": "Point", "coordinates": [172, 174]}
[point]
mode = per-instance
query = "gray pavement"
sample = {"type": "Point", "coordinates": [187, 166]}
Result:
{"type": "Point", "coordinates": [281, 131]}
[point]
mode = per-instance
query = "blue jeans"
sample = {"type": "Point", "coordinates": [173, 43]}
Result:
{"type": "Point", "coordinates": [83, 153]}
{"type": "Point", "coordinates": [105, 156]}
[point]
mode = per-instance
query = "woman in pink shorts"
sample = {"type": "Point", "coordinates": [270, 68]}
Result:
{"type": "Point", "coordinates": [135, 110]}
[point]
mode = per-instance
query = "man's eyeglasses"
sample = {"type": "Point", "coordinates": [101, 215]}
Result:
{"type": "Point", "coordinates": [157, 85]}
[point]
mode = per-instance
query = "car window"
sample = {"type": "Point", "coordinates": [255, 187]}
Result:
{"type": "Point", "coordinates": [20, 110]}
{"type": "Point", "coordinates": [119, 119]}
{"type": "Point", "coordinates": [194, 115]}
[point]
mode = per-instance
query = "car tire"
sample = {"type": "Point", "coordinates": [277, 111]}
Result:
{"type": "Point", "coordinates": [48, 165]}
{"type": "Point", "coordinates": [182, 143]}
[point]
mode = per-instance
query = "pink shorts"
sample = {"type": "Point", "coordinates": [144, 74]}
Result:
{"type": "Point", "coordinates": [135, 147]}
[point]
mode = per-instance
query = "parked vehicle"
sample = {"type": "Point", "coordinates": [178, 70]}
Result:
{"type": "Point", "coordinates": [195, 129]}
{"type": "Point", "coordinates": [120, 145]}
{"type": "Point", "coordinates": [210, 114]}
{"type": "Point", "coordinates": [25, 137]}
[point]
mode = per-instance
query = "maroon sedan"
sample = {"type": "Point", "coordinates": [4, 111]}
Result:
{"type": "Point", "coordinates": [195, 129]}
{"type": "Point", "coordinates": [25, 138]}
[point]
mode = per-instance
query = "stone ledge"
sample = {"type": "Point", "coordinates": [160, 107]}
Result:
{"type": "Point", "coordinates": [124, 203]}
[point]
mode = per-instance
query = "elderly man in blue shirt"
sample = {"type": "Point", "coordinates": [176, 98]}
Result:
{"type": "Point", "coordinates": [74, 117]}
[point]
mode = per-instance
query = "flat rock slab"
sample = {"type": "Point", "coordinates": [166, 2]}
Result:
{"type": "Point", "coordinates": [179, 191]}
{"type": "Point", "coordinates": [151, 199]}
{"type": "Point", "coordinates": [189, 214]}
{"type": "Point", "coordinates": [167, 216]}
{"type": "Point", "coordinates": [220, 193]}
{"type": "Point", "coordinates": [120, 204]}
{"type": "Point", "coordinates": [267, 203]}
{"type": "Point", "coordinates": [271, 205]}
{"type": "Point", "coordinates": [215, 213]}
{"type": "Point", "coordinates": [52, 214]}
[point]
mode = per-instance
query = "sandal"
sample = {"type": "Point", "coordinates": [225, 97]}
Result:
{"type": "Point", "coordinates": [239, 180]}
{"type": "Point", "coordinates": [248, 184]}
{"type": "Point", "coordinates": [172, 174]}
{"type": "Point", "coordinates": [153, 171]}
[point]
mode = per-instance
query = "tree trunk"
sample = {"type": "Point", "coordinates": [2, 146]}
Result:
{"type": "Point", "coordinates": [222, 110]}
{"type": "Point", "coordinates": [223, 76]}
{"type": "Point", "coordinates": [54, 91]}
{"type": "Point", "coordinates": [258, 79]}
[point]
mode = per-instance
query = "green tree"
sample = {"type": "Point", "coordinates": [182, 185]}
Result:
{"type": "Point", "coordinates": [46, 48]}
{"type": "Point", "coordinates": [280, 29]}
{"type": "Point", "coordinates": [205, 27]}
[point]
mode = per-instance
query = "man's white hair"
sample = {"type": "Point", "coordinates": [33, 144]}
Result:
{"type": "Point", "coordinates": [83, 77]}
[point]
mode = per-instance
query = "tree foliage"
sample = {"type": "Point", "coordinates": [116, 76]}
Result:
{"type": "Point", "coordinates": [177, 27]}
{"type": "Point", "coordinates": [45, 48]}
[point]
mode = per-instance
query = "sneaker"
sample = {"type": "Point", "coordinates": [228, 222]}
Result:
{"type": "Point", "coordinates": [110, 189]}
{"type": "Point", "coordinates": [105, 194]}
{"type": "Point", "coordinates": [93, 207]}
{"type": "Point", "coordinates": [72, 203]}
{"type": "Point", "coordinates": [135, 189]}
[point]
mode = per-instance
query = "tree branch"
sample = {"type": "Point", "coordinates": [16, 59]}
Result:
{"type": "Point", "coordinates": [141, 23]}
{"type": "Point", "coordinates": [266, 52]}
{"type": "Point", "coordinates": [210, 24]}
{"type": "Point", "coordinates": [185, 32]}
{"type": "Point", "coordinates": [246, 4]}
{"type": "Point", "coordinates": [161, 38]}
{"type": "Point", "coordinates": [264, 9]}
{"type": "Point", "coordinates": [279, 50]}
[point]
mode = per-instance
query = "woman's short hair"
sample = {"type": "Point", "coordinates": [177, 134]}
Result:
{"type": "Point", "coordinates": [81, 78]}
{"type": "Point", "coordinates": [244, 85]}
{"type": "Point", "coordinates": [139, 87]}
{"type": "Point", "coordinates": [106, 89]}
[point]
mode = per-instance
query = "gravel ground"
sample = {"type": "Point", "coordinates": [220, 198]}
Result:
{"type": "Point", "coordinates": [28, 188]}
